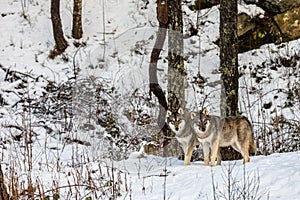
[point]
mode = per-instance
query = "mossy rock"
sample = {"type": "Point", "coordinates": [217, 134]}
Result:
{"type": "Point", "coordinates": [254, 32]}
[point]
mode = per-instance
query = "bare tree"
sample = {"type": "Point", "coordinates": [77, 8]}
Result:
{"type": "Point", "coordinates": [162, 17]}
{"type": "Point", "coordinates": [60, 42]}
{"type": "Point", "coordinates": [229, 56]}
{"type": "Point", "coordinates": [169, 14]}
{"type": "Point", "coordinates": [77, 22]}
{"type": "Point", "coordinates": [176, 72]}
{"type": "Point", "coordinates": [229, 64]}
{"type": "Point", "coordinates": [3, 192]}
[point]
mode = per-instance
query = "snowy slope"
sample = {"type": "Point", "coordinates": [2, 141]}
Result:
{"type": "Point", "coordinates": [276, 177]}
{"type": "Point", "coordinates": [119, 52]}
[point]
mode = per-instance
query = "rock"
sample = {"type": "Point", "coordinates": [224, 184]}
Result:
{"type": "Point", "coordinates": [275, 6]}
{"type": "Point", "coordinates": [202, 4]}
{"type": "Point", "coordinates": [289, 23]}
{"type": "Point", "coordinates": [259, 30]}
{"type": "Point", "coordinates": [256, 31]}
{"type": "Point", "coordinates": [244, 24]}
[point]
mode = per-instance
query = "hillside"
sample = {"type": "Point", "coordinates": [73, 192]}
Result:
{"type": "Point", "coordinates": [65, 124]}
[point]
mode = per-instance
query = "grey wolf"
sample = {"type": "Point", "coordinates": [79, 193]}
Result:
{"type": "Point", "coordinates": [214, 132]}
{"type": "Point", "coordinates": [180, 123]}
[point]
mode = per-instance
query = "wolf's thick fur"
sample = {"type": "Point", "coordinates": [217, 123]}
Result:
{"type": "Point", "coordinates": [180, 124]}
{"type": "Point", "coordinates": [214, 132]}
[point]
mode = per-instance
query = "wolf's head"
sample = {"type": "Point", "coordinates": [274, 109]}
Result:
{"type": "Point", "coordinates": [200, 122]}
{"type": "Point", "coordinates": [176, 121]}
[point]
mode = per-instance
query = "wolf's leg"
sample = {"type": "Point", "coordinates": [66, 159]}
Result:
{"type": "Point", "coordinates": [205, 147]}
{"type": "Point", "coordinates": [238, 148]}
{"type": "Point", "coordinates": [219, 157]}
{"type": "Point", "coordinates": [214, 151]}
{"type": "Point", "coordinates": [245, 149]}
{"type": "Point", "coordinates": [242, 148]}
{"type": "Point", "coordinates": [188, 154]}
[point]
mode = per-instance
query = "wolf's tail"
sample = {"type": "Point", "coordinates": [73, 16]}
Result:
{"type": "Point", "coordinates": [252, 148]}
{"type": "Point", "coordinates": [252, 145]}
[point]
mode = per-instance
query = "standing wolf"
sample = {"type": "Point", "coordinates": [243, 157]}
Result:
{"type": "Point", "coordinates": [180, 123]}
{"type": "Point", "coordinates": [214, 132]}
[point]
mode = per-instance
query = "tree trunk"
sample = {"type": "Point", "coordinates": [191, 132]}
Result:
{"type": "Point", "coordinates": [229, 56]}
{"type": "Point", "coordinates": [229, 65]}
{"type": "Point", "coordinates": [60, 42]}
{"type": "Point", "coordinates": [162, 16]}
{"type": "Point", "coordinates": [77, 22]}
{"type": "Point", "coordinates": [3, 192]}
{"type": "Point", "coordinates": [176, 73]}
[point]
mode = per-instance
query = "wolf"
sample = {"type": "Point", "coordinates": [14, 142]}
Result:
{"type": "Point", "coordinates": [214, 132]}
{"type": "Point", "coordinates": [180, 123]}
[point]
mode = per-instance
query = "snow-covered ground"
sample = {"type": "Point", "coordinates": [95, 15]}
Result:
{"type": "Point", "coordinates": [119, 54]}
{"type": "Point", "coordinates": [275, 177]}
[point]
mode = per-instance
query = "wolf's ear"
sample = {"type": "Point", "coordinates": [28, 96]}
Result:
{"type": "Point", "coordinates": [180, 111]}
{"type": "Point", "coordinates": [205, 111]}
{"type": "Point", "coordinates": [169, 113]}
{"type": "Point", "coordinates": [193, 115]}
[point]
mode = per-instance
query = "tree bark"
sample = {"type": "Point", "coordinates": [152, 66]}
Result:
{"type": "Point", "coordinates": [3, 192]}
{"type": "Point", "coordinates": [229, 56]}
{"type": "Point", "coordinates": [162, 13]}
{"type": "Point", "coordinates": [176, 72]}
{"type": "Point", "coordinates": [229, 65]}
{"type": "Point", "coordinates": [60, 42]}
{"type": "Point", "coordinates": [77, 22]}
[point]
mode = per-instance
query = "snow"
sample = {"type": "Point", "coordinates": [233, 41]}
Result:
{"type": "Point", "coordinates": [119, 54]}
{"type": "Point", "coordinates": [277, 177]}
